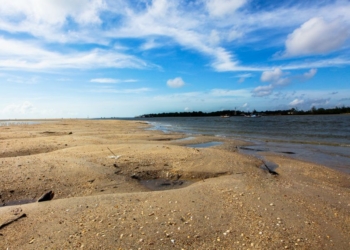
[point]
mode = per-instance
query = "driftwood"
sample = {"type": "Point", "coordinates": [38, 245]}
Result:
{"type": "Point", "coordinates": [47, 196]}
{"type": "Point", "coordinates": [9, 221]}
{"type": "Point", "coordinates": [270, 170]}
{"type": "Point", "coordinates": [112, 152]}
{"type": "Point", "coordinates": [258, 150]}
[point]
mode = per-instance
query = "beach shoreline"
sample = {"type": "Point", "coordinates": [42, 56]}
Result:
{"type": "Point", "coordinates": [96, 169]}
{"type": "Point", "coordinates": [323, 144]}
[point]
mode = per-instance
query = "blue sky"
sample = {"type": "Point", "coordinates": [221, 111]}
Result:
{"type": "Point", "coordinates": [118, 58]}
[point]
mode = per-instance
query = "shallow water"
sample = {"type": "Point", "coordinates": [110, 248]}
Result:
{"type": "Point", "coordinates": [18, 202]}
{"type": "Point", "coordinates": [322, 129]}
{"type": "Point", "coordinates": [323, 139]}
{"type": "Point", "coordinates": [164, 184]}
{"type": "Point", "coordinates": [205, 145]}
{"type": "Point", "coordinates": [332, 156]}
{"type": "Point", "coordinates": [17, 123]}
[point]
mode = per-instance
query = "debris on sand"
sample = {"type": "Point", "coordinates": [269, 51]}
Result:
{"type": "Point", "coordinates": [15, 214]}
{"type": "Point", "coordinates": [114, 157]}
{"type": "Point", "coordinates": [47, 196]}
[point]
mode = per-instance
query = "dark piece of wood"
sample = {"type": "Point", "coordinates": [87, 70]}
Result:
{"type": "Point", "coordinates": [47, 196]}
{"type": "Point", "coordinates": [8, 222]}
{"type": "Point", "coordinates": [112, 152]}
{"type": "Point", "coordinates": [270, 171]}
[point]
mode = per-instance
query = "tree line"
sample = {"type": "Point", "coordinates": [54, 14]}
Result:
{"type": "Point", "coordinates": [293, 111]}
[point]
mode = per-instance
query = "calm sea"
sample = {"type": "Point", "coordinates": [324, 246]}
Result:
{"type": "Point", "coordinates": [16, 123]}
{"type": "Point", "coordinates": [324, 139]}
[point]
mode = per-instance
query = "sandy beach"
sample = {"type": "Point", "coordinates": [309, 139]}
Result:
{"type": "Point", "coordinates": [119, 186]}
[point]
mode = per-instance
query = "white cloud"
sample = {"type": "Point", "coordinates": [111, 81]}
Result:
{"type": "Point", "coordinates": [221, 8]}
{"type": "Point", "coordinates": [190, 28]}
{"type": "Point", "coordinates": [338, 61]}
{"type": "Point", "coordinates": [47, 19]}
{"type": "Point", "coordinates": [111, 80]}
{"type": "Point", "coordinates": [276, 79]}
{"type": "Point", "coordinates": [241, 80]}
{"type": "Point", "coordinates": [206, 101]}
{"type": "Point", "coordinates": [105, 80]}
{"type": "Point", "coordinates": [229, 92]}
{"type": "Point", "coordinates": [150, 44]}
{"type": "Point", "coordinates": [243, 77]}
{"type": "Point", "coordinates": [296, 102]}
{"type": "Point", "coordinates": [274, 76]}
{"type": "Point", "coordinates": [166, 19]}
{"type": "Point", "coordinates": [121, 91]}
{"type": "Point", "coordinates": [319, 101]}
{"type": "Point", "coordinates": [234, 34]}
{"type": "Point", "coordinates": [175, 83]}
{"type": "Point", "coordinates": [306, 99]}
{"type": "Point", "coordinates": [42, 35]}
{"type": "Point", "coordinates": [271, 76]}
{"type": "Point", "coordinates": [214, 37]}
{"type": "Point", "coordinates": [223, 61]}
{"type": "Point", "coordinates": [83, 11]}
{"type": "Point", "coordinates": [263, 90]}
{"type": "Point", "coordinates": [23, 108]}
{"type": "Point", "coordinates": [310, 74]}
{"type": "Point", "coordinates": [64, 79]}
{"type": "Point", "coordinates": [23, 80]}
{"type": "Point", "coordinates": [179, 96]}
{"type": "Point", "coordinates": [85, 21]}
{"type": "Point", "coordinates": [317, 36]}
{"type": "Point", "coordinates": [30, 56]}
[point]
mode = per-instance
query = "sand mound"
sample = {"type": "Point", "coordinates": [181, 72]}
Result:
{"type": "Point", "coordinates": [117, 185]}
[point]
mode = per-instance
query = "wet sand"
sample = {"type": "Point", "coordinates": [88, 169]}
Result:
{"type": "Point", "coordinates": [159, 193]}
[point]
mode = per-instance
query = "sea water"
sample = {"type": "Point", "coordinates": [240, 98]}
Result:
{"type": "Point", "coordinates": [16, 123]}
{"type": "Point", "coordinates": [323, 139]}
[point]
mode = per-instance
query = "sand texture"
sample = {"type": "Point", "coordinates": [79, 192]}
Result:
{"type": "Point", "coordinates": [120, 186]}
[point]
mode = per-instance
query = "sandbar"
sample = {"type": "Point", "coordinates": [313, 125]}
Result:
{"type": "Point", "coordinates": [208, 198]}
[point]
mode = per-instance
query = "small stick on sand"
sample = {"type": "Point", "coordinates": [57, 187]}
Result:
{"type": "Point", "coordinates": [270, 171]}
{"type": "Point", "coordinates": [112, 152]}
{"type": "Point", "coordinates": [8, 222]}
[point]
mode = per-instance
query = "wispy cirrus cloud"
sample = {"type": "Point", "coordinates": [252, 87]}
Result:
{"type": "Point", "coordinates": [338, 61]}
{"type": "Point", "coordinates": [243, 77]}
{"type": "Point", "coordinates": [207, 27]}
{"type": "Point", "coordinates": [112, 80]}
{"type": "Point", "coordinates": [167, 19]}
{"type": "Point", "coordinates": [121, 91]}
{"type": "Point", "coordinates": [34, 56]}
{"type": "Point", "coordinates": [50, 19]}
{"type": "Point", "coordinates": [156, 40]}
{"type": "Point", "coordinates": [230, 92]}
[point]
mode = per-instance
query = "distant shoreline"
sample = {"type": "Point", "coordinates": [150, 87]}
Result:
{"type": "Point", "coordinates": [228, 113]}
{"type": "Point", "coordinates": [159, 116]}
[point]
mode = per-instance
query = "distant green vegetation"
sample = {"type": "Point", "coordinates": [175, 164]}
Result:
{"type": "Point", "coordinates": [293, 111]}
